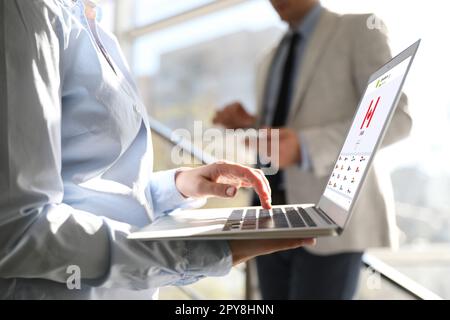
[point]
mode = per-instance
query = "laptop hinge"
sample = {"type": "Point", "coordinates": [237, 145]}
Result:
{"type": "Point", "coordinates": [324, 215]}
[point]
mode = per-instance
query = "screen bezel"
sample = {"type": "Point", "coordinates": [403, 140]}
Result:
{"type": "Point", "coordinates": [339, 215]}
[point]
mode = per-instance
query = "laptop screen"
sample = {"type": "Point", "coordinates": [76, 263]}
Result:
{"type": "Point", "coordinates": [368, 125]}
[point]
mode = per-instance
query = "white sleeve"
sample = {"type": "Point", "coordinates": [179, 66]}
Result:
{"type": "Point", "coordinates": [164, 195]}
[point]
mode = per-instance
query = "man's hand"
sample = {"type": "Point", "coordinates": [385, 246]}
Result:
{"type": "Point", "coordinates": [222, 179]}
{"type": "Point", "coordinates": [234, 116]}
{"type": "Point", "coordinates": [243, 250]}
{"type": "Point", "coordinates": [290, 152]}
{"type": "Point", "coordinates": [289, 147]}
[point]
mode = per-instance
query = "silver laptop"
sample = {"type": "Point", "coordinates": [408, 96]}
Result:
{"type": "Point", "coordinates": [331, 214]}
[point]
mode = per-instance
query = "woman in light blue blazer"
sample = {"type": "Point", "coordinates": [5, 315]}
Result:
{"type": "Point", "coordinates": [76, 168]}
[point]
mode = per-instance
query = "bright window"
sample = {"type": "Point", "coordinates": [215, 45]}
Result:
{"type": "Point", "coordinates": [148, 11]}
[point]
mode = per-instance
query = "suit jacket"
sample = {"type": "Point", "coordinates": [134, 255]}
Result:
{"type": "Point", "coordinates": [340, 56]}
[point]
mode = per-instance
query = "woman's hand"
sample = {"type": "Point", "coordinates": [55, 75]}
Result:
{"type": "Point", "coordinates": [243, 250]}
{"type": "Point", "coordinates": [222, 179]}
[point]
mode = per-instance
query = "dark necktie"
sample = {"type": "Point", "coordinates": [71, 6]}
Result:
{"type": "Point", "coordinates": [287, 77]}
{"type": "Point", "coordinates": [284, 100]}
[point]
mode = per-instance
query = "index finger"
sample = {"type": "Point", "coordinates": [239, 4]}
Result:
{"type": "Point", "coordinates": [254, 179]}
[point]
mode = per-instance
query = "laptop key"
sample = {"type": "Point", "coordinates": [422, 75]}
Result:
{"type": "Point", "coordinates": [265, 220]}
{"type": "Point", "coordinates": [248, 226]}
{"type": "Point", "coordinates": [249, 220]}
{"type": "Point", "coordinates": [264, 213]}
{"type": "Point", "coordinates": [294, 218]}
{"type": "Point", "coordinates": [309, 221]}
{"type": "Point", "coordinates": [250, 215]}
{"type": "Point", "coordinates": [236, 215]}
{"type": "Point", "coordinates": [234, 220]}
{"type": "Point", "coordinates": [279, 218]}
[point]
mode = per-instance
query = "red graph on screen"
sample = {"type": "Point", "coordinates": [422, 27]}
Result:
{"type": "Point", "coordinates": [370, 112]}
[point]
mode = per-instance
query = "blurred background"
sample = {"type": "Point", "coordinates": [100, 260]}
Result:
{"type": "Point", "coordinates": [190, 57]}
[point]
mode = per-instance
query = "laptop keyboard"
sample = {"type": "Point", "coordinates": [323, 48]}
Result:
{"type": "Point", "coordinates": [254, 219]}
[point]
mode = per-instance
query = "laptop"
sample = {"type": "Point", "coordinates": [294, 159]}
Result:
{"type": "Point", "coordinates": [332, 213]}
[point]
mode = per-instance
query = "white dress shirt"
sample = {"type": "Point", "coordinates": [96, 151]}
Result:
{"type": "Point", "coordinates": [76, 166]}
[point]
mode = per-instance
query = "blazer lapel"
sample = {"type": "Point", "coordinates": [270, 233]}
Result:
{"type": "Point", "coordinates": [312, 55]}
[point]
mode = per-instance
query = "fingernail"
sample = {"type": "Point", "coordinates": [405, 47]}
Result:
{"type": "Point", "coordinates": [231, 191]}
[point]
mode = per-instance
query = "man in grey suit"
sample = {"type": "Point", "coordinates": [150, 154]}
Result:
{"type": "Point", "coordinates": [309, 87]}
